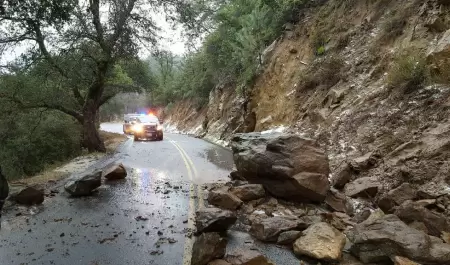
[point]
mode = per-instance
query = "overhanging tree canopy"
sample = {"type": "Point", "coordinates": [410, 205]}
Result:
{"type": "Point", "coordinates": [76, 54]}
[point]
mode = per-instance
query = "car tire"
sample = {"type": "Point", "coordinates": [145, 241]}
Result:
{"type": "Point", "coordinates": [136, 139]}
{"type": "Point", "coordinates": [161, 138]}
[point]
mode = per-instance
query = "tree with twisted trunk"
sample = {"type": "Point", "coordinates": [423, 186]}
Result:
{"type": "Point", "coordinates": [75, 54]}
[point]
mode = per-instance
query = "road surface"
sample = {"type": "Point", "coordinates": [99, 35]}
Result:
{"type": "Point", "coordinates": [163, 185]}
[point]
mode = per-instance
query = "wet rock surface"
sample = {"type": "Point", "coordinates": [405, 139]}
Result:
{"type": "Point", "coordinates": [84, 185]}
{"type": "Point", "coordinates": [29, 196]}
{"type": "Point", "coordinates": [214, 220]}
{"type": "Point", "coordinates": [249, 192]}
{"type": "Point", "coordinates": [208, 247]}
{"type": "Point", "coordinates": [288, 166]}
{"type": "Point", "coordinates": [115, 172]}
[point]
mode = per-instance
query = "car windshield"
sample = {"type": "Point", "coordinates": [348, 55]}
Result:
{"type": "Point", "coordinates": [148, 119]}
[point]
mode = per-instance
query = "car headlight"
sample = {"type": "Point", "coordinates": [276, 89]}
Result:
{"type": "Point", "coordinates": [159, 128]}
{"type": "Point", "coordinates": [137, 128]}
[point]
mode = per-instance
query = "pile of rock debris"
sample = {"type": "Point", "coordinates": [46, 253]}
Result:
{"type": "Point", "coordinates": [283, 193]}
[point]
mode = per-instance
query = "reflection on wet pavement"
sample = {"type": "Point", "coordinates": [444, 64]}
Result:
{"type": "Point", "coordinates": [139, 220]}
{"type": "Point", "coordinates": [219, 157]}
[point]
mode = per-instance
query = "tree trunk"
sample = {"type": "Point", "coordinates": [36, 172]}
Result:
{"type": "Point", "coordinates": [90, 136]}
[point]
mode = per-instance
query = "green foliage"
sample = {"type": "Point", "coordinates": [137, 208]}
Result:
{"type": "Point", "coordinates": [32, 140]}
{"type": "Point", "coordinates": [232, 52]}
{"type": "Point", "coordinates": [409, 71]}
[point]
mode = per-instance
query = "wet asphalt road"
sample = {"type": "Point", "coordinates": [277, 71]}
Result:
{"type": "Point", "coordinates": [162, 185]}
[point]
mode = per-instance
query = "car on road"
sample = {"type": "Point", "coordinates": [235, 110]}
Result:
{"type": "Point", "coordinates": [128, 121]}
{"type": "Point", "coordinates": [147, 127]}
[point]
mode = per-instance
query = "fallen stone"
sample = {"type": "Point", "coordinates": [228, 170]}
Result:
{"type": "Point", "coordinates": [363, 162]}
{"type": "Point", "coordinates": [336, 201]}
{"type": "Point", "coordinates": [321, 241]}
{"type": "Point", "coordinates": [249, 192]}
{"type": "Point", "coordinates": [287, 165]}
{"type": "Point", "coordinates": [219, 262]}
{"type": "Point", "coordinates": [208, 247]}
{"type": "Point", "coordinates": [436, 223]}
{"type": "Point", "coordinates": [115, 172]}
{"type": "Point", "coordinates": [288, 237]}
{"type": "Point", "coordinates": [29, 196]}
{"type": "Point", "coordinates": [403, 261]}
{"type": "Point", "coordinates": [214, 220]}
{"type": "Point", "coordinates": [234, 175]}
{"type": "Point", "coordinates": [85, 185]}
{"type": "Point", "coordinates": [396, 197]}
{"type": "Point", "coordinates": [343, 176]}
{"type": "Point", "coordinates": [247, 257]}
{"type": "Point", "coordinates": [224, 199]}
{"type": "Point", "coordinates": [388, 236]}
{"type": "Point", "coordinates": [269, 229]}
{"type": "Point", "coordinates": [362, 187]}
{"type": "Point", "coordinates": [433, 190]}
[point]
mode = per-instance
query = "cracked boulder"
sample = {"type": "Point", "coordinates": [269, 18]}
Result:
{"type": "Point", "coordinates": [269, 229]}
{"type": "Point", "coordinates": [214, 220]}
{"type": "Point", "coordinates": [84, 185]}
{"type": "Point", "coordinates": [208, 247]}
{"type": "Point", "coordinates": [287, 165]}
{"type": "Point", "coordinates": [362, 187]}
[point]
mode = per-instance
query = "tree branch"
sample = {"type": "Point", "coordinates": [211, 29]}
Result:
{"type": "Point", "coordinates": [95, 10]}
{"type": "Point", "coordinates": [62, 109]}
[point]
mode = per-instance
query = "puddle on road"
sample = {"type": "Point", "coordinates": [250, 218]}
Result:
{"type": "Point", "coordinates": [220, 157]}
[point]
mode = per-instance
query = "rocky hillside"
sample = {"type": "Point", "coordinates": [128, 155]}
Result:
{"type": "Point", "coordinates": [363, 78]}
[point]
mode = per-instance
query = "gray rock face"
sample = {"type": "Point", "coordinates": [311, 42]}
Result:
{"type": "Point", "coordinates": [362, 187]}
{"type": "Point", "coordinates": [336, 200]}
{"type": "Point", "coordinates": [85, 185]}
{"type": "Point", "coordinates": [247, 257]}
{"type": "Point", "coordinates": [433, 190]}
{"type": "Point", "coordinates": [288, 166]}
{"type": "Point", "coordinates": [224, 199]}
{"type": "Point", "coordinates": [208, 247]}
{"type": "Point", "coordinates": [270, 228]}
{"type": "Point", "coordinates": [388, 236]}
{"type": "Point", "coordinates": [214, 220]}
{"type": "Point", "coordinates": [396, 197]}
{"type": "Point", "coordinates": [249, 192]}
{"type": "Point", "coordinates": [343, 176]}
{"type": "Point", "coordinates": [435, 223]}
{"type": "Point", "coordinates": [321, 241]}
{"type": "Point", "coordinates": [288, 237]}
{"type": "Point", "coordinates": [115, 172]}
{"type": "Point", "coordinates": [29, 196]}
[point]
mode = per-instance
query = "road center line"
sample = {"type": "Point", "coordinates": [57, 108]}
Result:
{"type": "Point", "coordinates": [189, 242]}
{"type": "Point", "coordinates": [201, 203]}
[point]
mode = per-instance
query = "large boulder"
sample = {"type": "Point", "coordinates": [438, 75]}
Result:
{"type": "Point", "coordinates": [208, 247]}
{"type": "Point", "coordinates": [85, 185]}
{"type": "Point", "coordinates": [379, 239]}
{"type": "Point", "coordinates": [115, 172]}
{"type": "Point", "coordinates": [222, 198]}
{"type": "Point", "coordinates": [269, 229]}
{"type": "Point", "coordinates": [396, 197]}
{"type": "Point", "coordinates": [29, 196]}
{"type": "Point", "coordinates": [214, 220]}
{"type": "Point", "coordinates": [321, 241]}
{"type": "Point", "coordinates": [435, 223]}
{"type": "Point", "coordinates": [438, 55]}
{"type": "Point", "coordinates": [287, 165]}
{"type": "Point", "coordinates": [247, 257]}
{"type": "Point", "coordinates": [362, 187]}
{"type": "Point", "coordinates": [249, 192]}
